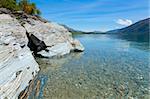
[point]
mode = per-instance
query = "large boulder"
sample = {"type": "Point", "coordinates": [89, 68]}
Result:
{"type": "Point", "coordinates": [58, 39]}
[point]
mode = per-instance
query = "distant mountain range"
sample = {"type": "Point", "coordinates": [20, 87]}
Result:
{"type": "Point", "coordinates": [81, 32]}
{"type": "Point", "coordinates": [138, 31]}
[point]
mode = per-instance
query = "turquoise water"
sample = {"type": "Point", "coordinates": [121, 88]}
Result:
{"type": "Point", "coordinates": [109, 68]}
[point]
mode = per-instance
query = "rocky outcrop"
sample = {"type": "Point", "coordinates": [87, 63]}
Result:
{"type": "Point", "coordinates": [57, 39]}
{"type": "Point", "coordinates": [19, 33]}
{"type": "Point", "coordinates": [17, 65]}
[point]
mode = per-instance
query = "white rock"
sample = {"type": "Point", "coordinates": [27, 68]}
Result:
{"type": "Point", "coordinates": [17, 65]}
{"type": "Point", "coordinates": [11, 27]}
{"type": "Point", "coordinates": [77, 46]}
{"type": "Point", "coordinates": [57, 50]}
{"type": "Point", "coordinates": [11, 62]}
{"type": "Point", "coordinates": [53, 35]}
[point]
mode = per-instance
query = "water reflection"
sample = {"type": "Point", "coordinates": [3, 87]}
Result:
{"type": "Point", "coordinates": [109, 68]}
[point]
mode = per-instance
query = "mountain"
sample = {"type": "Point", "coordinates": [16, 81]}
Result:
{"type": "Point", "coordinates": [95, 32]}
{"type": "Point", "coordinates": [138, 31]}
{"type": "Point", "coordinates": [73, 31]}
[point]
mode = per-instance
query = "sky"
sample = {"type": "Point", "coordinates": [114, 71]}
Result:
{"type": "Point", "coordinates": [94, 15]}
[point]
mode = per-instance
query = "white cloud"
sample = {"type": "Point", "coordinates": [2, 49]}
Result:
{"type": "Point", "coordinates": [124, 22]}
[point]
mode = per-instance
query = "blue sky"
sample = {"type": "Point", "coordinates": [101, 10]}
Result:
{"type": "Point", "coordinates": [94, 15]}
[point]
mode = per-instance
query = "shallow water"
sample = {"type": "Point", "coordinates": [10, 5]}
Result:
{"type": "Point", "coordinates": [109, 68]}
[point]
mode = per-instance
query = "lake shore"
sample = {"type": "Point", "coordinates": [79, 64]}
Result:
{"type": "Point", "coordinates": [22, 37]}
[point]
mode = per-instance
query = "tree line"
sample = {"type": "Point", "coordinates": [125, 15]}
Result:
{"type": "Point", "coordinates": [20, 5]}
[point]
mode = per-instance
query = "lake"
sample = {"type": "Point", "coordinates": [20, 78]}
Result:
{"type": "Point", "coordinates": [109, 68]}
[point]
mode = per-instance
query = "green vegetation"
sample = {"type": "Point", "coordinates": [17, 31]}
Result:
{"type": "Point", "coordinates": [78, 32]}
{"type": "Point", "coordinates": [9, 4]}
{"type": "Point", "coordinates": [75, 33]}
{"type": "Point", "coordinates": [20, 5]}
{"type": "Point", "coordinates": [28, 7]}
